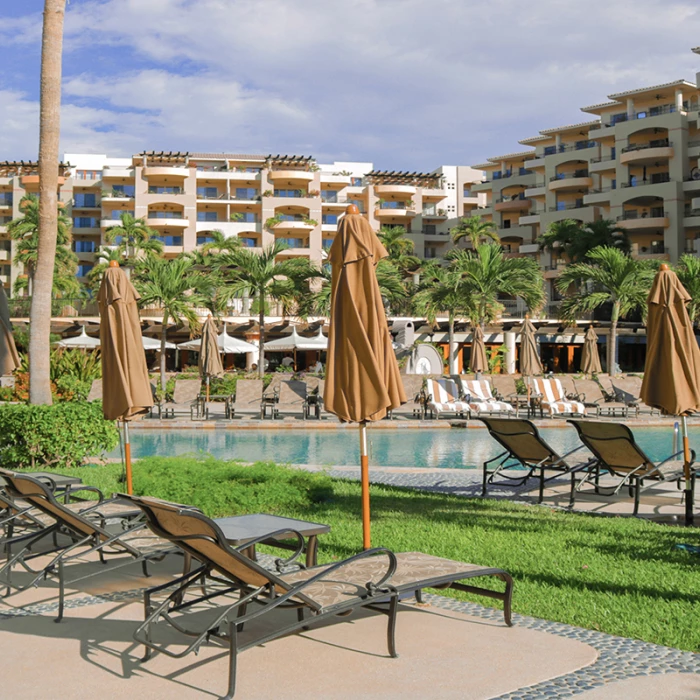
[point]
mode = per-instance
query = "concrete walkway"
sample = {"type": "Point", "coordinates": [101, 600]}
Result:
{"type": "Point", "coordinates": [448, 649]}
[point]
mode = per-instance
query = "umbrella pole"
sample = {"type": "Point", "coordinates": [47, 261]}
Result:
{"type": "Point", "coordinates": [207, 388]}
{"type": "Point", "coordinates": [127, 459]}
{"type": "Point", "coordinates": [688, 488]}
{"type": "Point", "coordinates": [364, 477]}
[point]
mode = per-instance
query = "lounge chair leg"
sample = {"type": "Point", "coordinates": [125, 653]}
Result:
{"type": "Point", "coordinates": [419, 596]}
{"type": "Point", "coordinates": [483, 486]}
{"type": "Point", "coordinates": [241, 612]}
{"type": "Point", "coordinates": [637, 487]}
{"type": "Point", "coordinates": [391, 626]}
{"type": "Point", "coordinates": [232, 659]}
{"type": "Point", "coordinates": [61, 591]}
{"type": "Point", "coordinates": [541, 498]}
{"type": "Point", "coordinates": [144, 567]}
{"type": "Point", "coordinates": [507, 600]}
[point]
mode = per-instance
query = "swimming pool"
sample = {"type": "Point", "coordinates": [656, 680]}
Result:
{"type": "Point", "coordinates": [425, 447]}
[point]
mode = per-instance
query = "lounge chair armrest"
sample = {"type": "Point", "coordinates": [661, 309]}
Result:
{"type": "Point", "coordinates": [673, 457]}
{"type": "Point", "coordinates": [84, 487]}
{"type": "Point", "coordinates": [279, 563]}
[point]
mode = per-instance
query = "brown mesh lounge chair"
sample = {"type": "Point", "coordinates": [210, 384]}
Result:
{"type": "Point", "coordinates": [606, 385]}
{"type": "Point", "coordinates": [373, 579]}
{"type": "Point", "coordinates": [569, 387]}
{"type": "Point", "coordinates": [186, 399]}
{"type": "Point", "coordinates": [88, 532]}
{"type": "Point", "coordinates": [292, 400]}
{"type": "Point", "coordinates": [525, 448]}
{"type": "Point", "coordinates": [591, 394]}
{"type": "Point", "coordinates": [618, 454]}
{"type": "Point", "coordinates": [248, 398]}
{"type": "Point", "coordinates": [413, 388]}
{"type": "Point", "coordinates": [315, 398]}
{"type": "Point", "coordinates": [505, 389]}
{"type": "Point", "coordinates": [627, 391]}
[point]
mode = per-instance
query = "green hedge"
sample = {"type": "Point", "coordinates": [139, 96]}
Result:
{"type": "Point", "coordinates": [57, 436]}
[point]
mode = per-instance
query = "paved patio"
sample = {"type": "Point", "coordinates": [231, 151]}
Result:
{"type": "Point", "coordinates": [448, 649]}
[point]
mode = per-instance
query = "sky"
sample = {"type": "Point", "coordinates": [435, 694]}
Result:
{"type": "Point", "coordinates": [405, 84]}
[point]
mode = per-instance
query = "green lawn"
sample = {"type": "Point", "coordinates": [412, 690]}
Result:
{"type": "Point", "coordinates": [617, 575]}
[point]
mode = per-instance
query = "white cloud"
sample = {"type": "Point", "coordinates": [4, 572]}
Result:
{"type": "Point", "coordinates": [405, 83]}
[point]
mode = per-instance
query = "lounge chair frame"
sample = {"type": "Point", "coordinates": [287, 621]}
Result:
{"type": "Point", "coordinates": [255, 585]}
{"type": "Point", "coordinates": [634, 476]}
{"type": "Point", "coordinates": [84, 532]}
{"type": "Point", "coordinates": [535, 465]}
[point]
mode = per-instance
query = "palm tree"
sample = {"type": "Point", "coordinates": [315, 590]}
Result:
{"type": "Point", "coordinates": [266, 278]}
{"type": "Point", "coordinates": [135, 237]}
{"type": "Point", "coordinates": [574, 239]}
{"type": "Point", "coordinates": [400, 249]}
{"type": "Point", "coordinates": [611, 277]}
{"type": "Point", "coordinates": [175, 286]}
{"type": "Point", "coordinates": [475, 229]}
{"type": "Point", "coordinates": [688, 271]}
{"type": "Point", "coordinates": [486, 274]}
{"type": "Point", "coordinates": [49, 135]}
{"type": "Point", "coordinates": [25, 230]}
{"type": "Point", "coordinates": [440, 292]}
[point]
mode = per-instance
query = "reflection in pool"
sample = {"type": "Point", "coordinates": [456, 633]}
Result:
{"type": "Point", "coordinates": [423, 447]}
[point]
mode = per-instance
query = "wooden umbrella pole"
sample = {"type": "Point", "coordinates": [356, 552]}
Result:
{"type": "Point", "coordinates": [688, 489]}
{"type": "Point", "coordinates": [127, 459]}
{"type": "Point", "coordinates": [208, 387]}
{"type": "Point", "coordinates": [364, 475]}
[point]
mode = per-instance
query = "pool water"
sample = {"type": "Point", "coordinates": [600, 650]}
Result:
{"type": "Point", "coordinates": [424, 447]}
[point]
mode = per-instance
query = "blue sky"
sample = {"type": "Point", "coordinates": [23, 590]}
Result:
{"type": "Point", "coordinates": [407, 84]}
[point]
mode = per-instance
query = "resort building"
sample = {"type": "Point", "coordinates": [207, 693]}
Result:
{"type": "Point", "coordinates": [635, 162]}
{"type": "Point", "coordinates": [256, 198]}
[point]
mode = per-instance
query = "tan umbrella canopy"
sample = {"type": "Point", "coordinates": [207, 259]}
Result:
{"type": "Point", "coordinates": [672, 367]}
{"type": "Point", "coordinates": [125, 385]}
{"type": "Point", "coordinates": [479, 362]}
{"type": "Point", "coordinates": [590, 358]}
{"type": "Point", "coordinates": [209, 358]}
{"type": "Point", "coordinates": [9, 358]}
{"type": "Point", "coordinates": [530, 364]}
{"type": "Point", "coordinates": [362, 375]}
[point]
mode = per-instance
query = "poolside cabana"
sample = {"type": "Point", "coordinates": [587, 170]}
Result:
{"type": "Point", "coordinates": [154, 344]}
{"type": "Point", "coordinates": [294, 341]}
{"type": "Point", "coordinates": [228, 345]}
{"type": "Point", "coordinates": [82, 341]}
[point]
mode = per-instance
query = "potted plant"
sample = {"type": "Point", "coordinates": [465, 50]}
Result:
{"type": "Point", "coordinates": [236, 216]}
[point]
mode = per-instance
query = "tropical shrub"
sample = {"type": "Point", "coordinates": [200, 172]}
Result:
{"type": "Point", "coordinates": [58, 436]}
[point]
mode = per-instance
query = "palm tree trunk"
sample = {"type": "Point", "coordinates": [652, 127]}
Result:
{"type": "Point", "coordinates": [261, 324]}
{"type": "Point", "coordinates": [612, 344]}
{"type": "Point", "coordinates": [451, 353]}
{"type": "Point", "coordinates": [163, 340]}
{"type": "Point", "coordinates": [49, 133]}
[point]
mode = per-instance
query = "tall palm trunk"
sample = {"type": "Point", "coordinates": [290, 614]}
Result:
{"type": "Point", "coordinates": [261, 324]}
{"type": "Point", "coordinates": [49, 134]}
{"type": "Point", "coordinates": [612, 341]}
{"type": "Point", "coordinates": [163, 340]}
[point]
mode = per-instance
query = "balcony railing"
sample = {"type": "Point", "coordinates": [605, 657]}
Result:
{"type": "Point", "coordinates": [602, 190]}
{"type": "Point", "coordinates": [512, 198]}
{"type": "Point", "coordinates": [567, 176]}
{"type": "Point", "coordinates": [19, 307]}
{"type": "Point", "coordinates": [568, 148]}
{"type": "Point", "coordinates": [654, 213]}
{"type": "Point", "coordinates": [154, 189]}
{"type": "Point", "coordinates": [165, 215]}
{"type": "Point", "coordinates": [644, 114]}
{"type": "Point", "coordinates": [603, 159]}
{"type": "Point", "coordinates": [658, 143]}
{"type": "Point", "coordinates": [657, 180]}
{"type": "Point", "coordinates": [566, 206]}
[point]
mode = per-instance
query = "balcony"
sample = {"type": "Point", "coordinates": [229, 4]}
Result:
{"type": "Point", "coordinates": [335, 179]}
{"type": "Point", "coordinates": [515, 203]}
{"type": "Point", "coordinates": [166, 219]}
{"type": "Point", "coordinates": [655, 111]}
{"type": "Point", "coordinates": [568, 206]}
{"type": "Point", "coordinates": [292, 224]}
{"type": "Point", "coordinates": [388, 210]}
{"type": "Point", "coordinates": [394, 190]}
{"type": "Point", "coordinates": [570, 181]}
{"type": "Point", "coordinates": [116, 171]}
{"type": "Point", "coordinates": [691, 218]}
{"type": "Point", "coordinates": [636, 221]}
{"type": "Point", "coordinates": [600, 195]}
{"type": "Point", "coordinates": [602, 165]}
{"type": "Point", "coordinates": [647, 152]}
{"type": "Point", "coordinates": [434, 213]}
{"type": "Point", "coordinates": [291, 176]}
{"type": "Point", "coordinates": [166, 171]}
{"type": "Point", "coordinates": [568, 148]}
{"type": "Point", "coordinates": [656, 179]}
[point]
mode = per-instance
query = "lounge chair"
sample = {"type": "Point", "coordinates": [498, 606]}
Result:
{"type": "Point", "coordinates": [627, 391]}
{"type": "Point", "coordinates": [525, 448]}
{"type": "Point", "coordinates": [373, 579]}
{"type": "Point", "coordinates": [185, 399]}
{"type": "Point", "coordinates": [618, 454]}
{"type": "Point", "coordinates": [87, 530]}
{"type": "Point", "coordinates": [593, 397]}
{"type": "Point", "coordinates": [413, 388]}
{"type": "Point", "coordinates": [292, 400]}
{"type": "Point", "coordinates": [95, 393]}
{"type": "Point", "coordinates": [504, 388]}
{"type": "Point", "coordinates": [315, 399]}
{"type": "Point", "coordinates": [248, 399]}
{"type": "Point", "coordinates": [549, 396]}
{"type": "Point", "coordinates": [569, 387]}
{"type": "Point", "coordinates": [478, 394]}
{"type": "Point", "coordinates": [606, 385]}
{"type": "Point", "coordinates": [442, 396]}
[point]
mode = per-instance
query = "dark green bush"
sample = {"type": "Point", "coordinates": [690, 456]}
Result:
{"type": "Point", "coordinates": [222, 488]}
{"type": "Point", "coordinates": [57, 436]}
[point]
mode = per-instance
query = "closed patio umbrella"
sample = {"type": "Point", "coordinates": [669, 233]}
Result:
{"type": "Point", "coordinates": [362, 375]}
{"type": "Point", "coordinates": [9, 358]}
{"type": "Point", "coordinates": [672, 367]}
{"type": "Point", "coordinates": [530, 364]}
{"type": "Point", "coordinates": [209, 357]}
{"type": "Point", "coordinates": [590, 359]}
{"type": "Point", "coordinates": [125, 385]}
{"type": "Point", "coordinates": [479, 363]}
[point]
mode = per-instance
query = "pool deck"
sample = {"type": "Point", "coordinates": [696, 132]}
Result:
{"type": "Point", "coordinates": [448, 650]}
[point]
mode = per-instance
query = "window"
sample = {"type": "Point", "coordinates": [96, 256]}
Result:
{"type": "Point", "coordinates": [430, 229]}
{"type": "Point", "coordinates": [656, 178]}
{"type": "Point", "coordinates": [617, 118]}
{"type": "Point", "coordinates": [506, 223]}
{"type": "Point", "coordinates": [613, 151]}
{"type": "Point", "coordinates": [116, 214]}
{"type": "Point", "coordinates": [561, 206]}
{"type": "Point", "coordinates": [550, 150]}
{"type": "Point", "coordinates": [246, 193]}
{"type": "Point", "coordinates": [84, 246]}
{"type": "Point", "coordinates": [247, 217]}
{"type": "Point", "coordinates": [248, 242]}
{"type": "Point", "coordinates": [327, 243]}
{"type": "Point", "coordinates": [87, 199]}
{"type": "Point", "coordinates": [201, 240]}
{"type": "Point", "coordinates": [329, 219]}
{"type": "Point", "coordinates": [157, 189]}
{"type": "Point", "coordinates": [358, 203]}
{"type": "Point", "coordinates": [83, 269]}
{"type": "Point", "coordinates": [88, 174]}
{"type": "Point", "coordinates": [430, 253]}
{"type": "Point", "coordinates": [329, 196]}
{"type": "Point", "coordinates": [467, 192]}
{"type": "Point", "coordinates": [207, 216]}
{"type": "Point", "coordinates": [356, 181]}
{"type": "Point", "coordinates": [292, 242]}
{"type": "Point", "coordinates": [170, 240]}
{"type": "Point", "coordinates": [6, 199]}
{"type": "Point", "coordinates": [124, 190]}
{"type": "Point", "coordinates": [207, 193]}
{"type": "Point", "coordinates": [168, 215]}
{"type": "Point", "coordinates": [85, 222]}
{"type": "Point", "coordinates": [287, 193]}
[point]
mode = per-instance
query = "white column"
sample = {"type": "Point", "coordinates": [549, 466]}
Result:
{"type": "Point", "coordinates": [679, 100]}
{"type": "Point", "coordinates": [509, 340]}
{"type": "Point", "coordinates": [630, 107]}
